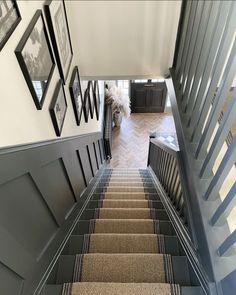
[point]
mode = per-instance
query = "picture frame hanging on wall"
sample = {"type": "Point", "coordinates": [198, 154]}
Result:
{"type": "Point", "coordinates": [58, 107]}
{"type": "Point", "coordinates": [9, 19]}
{"type": "Point", "coordinates": [36, 59]}
{"type": "Point", "coordinates": [96, 99]}
{"type": "Point", "coordinates": [86, 104]}
{"type": "Point", "coordinates": [91, 98]}
{"type": "Point", "coordinates": [60, 35]}
{"type": "Point", "coordinates": [76, 95]}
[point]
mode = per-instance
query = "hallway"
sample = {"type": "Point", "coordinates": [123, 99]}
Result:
{"type": "Point", "coordinates": [130, 142]}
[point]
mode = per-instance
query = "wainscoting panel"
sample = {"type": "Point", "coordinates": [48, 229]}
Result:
{"type": "Point", "coordinates": [93, 158]}
{"type": "Point", "coordinates": [84, 156]}
{"type": "Point", "coordinates": [11, 283]}
{"type": "Point", "coordinates": [42, 192]}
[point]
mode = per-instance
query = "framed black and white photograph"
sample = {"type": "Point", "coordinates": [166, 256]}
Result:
{"type": "Point", "coordinates": [58, 107]}
{"type": "Point", "coordinates": [91, 98]}
{"type": "Point", "coordinates": [36, 60]}
{"type": "Point", "coordinates": [76, 95]}
{"type": "Point", "coordinates": [60, 35]}
{"type": "Point", "coordinates": [9, 19]}
{"type": "Point", "coordinates": [86, 105]}
{"type": "Point", "coordinates": [96, 98]}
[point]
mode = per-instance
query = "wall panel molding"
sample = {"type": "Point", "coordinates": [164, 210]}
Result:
{"type": "Point", "coordinates": [43, 188]}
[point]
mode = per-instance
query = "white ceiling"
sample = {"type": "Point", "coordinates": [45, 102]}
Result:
{"type": "Point", "coordinates": [123, 39]}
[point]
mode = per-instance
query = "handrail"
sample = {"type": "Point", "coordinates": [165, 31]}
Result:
{"type": "Point", "coordinates": [166, 165]}
{"type": "Point", "coordinates": [170, 149]}
{"type": "Point", "coordinates": [201, 80]}
{"type": "Point", "coordinates": [165, 162]}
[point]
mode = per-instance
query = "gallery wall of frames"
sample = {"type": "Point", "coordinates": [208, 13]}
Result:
{"type": "Point", "coordinates": [44, 57]}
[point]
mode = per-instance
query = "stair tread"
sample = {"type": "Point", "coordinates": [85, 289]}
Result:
{"type": "Point", "coordinates": [124, 226]}
{"type": "Point", "coordinates": [125, 203]}
{"type": "Point", "coordinates": [124, 184]}
{"type": "Point", "coordinates": [124, 243]}
{"type": "Point", "coordinates": [127, 213]}
{"type": "Point", "coordinates": [85, 288]}
{"type": "Point", "coordinates": [126, 195]}
{"type": "Point", "coordinates": [125, 268]}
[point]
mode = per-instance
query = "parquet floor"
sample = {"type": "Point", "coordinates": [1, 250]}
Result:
{"type": "Point", "coordinates": [130, 142]}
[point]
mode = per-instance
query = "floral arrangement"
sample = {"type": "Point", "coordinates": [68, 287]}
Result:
{"type": "Point", "coordinates": [118, 99]}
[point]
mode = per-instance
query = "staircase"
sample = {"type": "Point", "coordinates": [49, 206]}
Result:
{"type": "Point", "coordinates": [124, 244]}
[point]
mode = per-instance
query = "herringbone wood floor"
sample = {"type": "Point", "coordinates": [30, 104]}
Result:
{"type": "Point", "coordinates": [130, 142]}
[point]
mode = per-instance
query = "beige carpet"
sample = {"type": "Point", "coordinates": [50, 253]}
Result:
{"type": "Point", "coordinates": [123, 268]}
{"type": "Point", "coordinates": [124, 252]}
{"type": "Point", "coordinates": [122, 289]}
{"type": "Point", "coordinates": [124, 213]}
{"type": "Point", "coordinates": [130, 189]}
{"type": "Point", "coordinates": [125, 204]}
{"type": "Point", "coordinates": [123, 243]}
{"type": "Point", "coordinates": [131, 226]}
{"type": "Point", "coordinates": [125, 196]}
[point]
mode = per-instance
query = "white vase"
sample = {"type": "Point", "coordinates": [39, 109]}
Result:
{"type": "Point", "coordinates": [117, 118]}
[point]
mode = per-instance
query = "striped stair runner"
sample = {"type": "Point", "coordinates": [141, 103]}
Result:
{"type": "Point", "coordinates": [124, 251]}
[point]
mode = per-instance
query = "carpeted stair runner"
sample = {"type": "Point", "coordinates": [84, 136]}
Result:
{"type": "Point", "coordinates": [123, 243]}
{"type": "Point", "coordinates": [124, 226]}
{"type": "Point", "coordinates": [120, 289]}
{"type": "Point", "coordinates": [124, 204]}
{"type": "Point", "coordinates": [124, 252]}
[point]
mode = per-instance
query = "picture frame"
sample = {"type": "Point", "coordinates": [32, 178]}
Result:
{"type": "Point", "coordinates": [91, 98]}
{"type": "Point", "coordinates": [76, 95]}
{"type": "Point", "coordinates": [86, 107]}
{"type": "Point", "coordinates": [60, 35]}
{"type": "Point", "coordinates": [58, 107]}
{"type": "Point", "coordinates": [96, 99]}
{"type": "Point", "coordinates": [36, 59]}
{"type": "Point", "coordinates": [9, 19]}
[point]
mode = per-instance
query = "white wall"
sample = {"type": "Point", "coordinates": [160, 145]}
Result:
{"type": "Point", "coordinates": [20, 121]}
{"type": "Point", "coordinates": [124, 39]}
{"type": "Point", "coordinates": [110, 39]}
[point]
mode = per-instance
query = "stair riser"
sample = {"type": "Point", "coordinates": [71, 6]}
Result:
{"type": "Point", "coordinates": [76, 243]}
{"type": "Point", "coordinates": [126, 184]}
{"type": "Point", "coordinates": [101, 196]}
{"type": "Point", "coordinates": [156, 214]}
{"type": "Point", "coordinates": [165, 228]}
{"type": "Point", "coordinates": [124, 175]}
{"type": "Point", "coordinates": [99, 204]}
{"type": "Point", "coordinates": [57, 290]}
{"type": "Point", "coordinates": [100, 190]}
{"type": "Point", "coordinates": [67, 263]}
{"type": "Point", "coordinates": [131, 180]}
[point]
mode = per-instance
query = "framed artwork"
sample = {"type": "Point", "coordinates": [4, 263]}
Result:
{"type": "Point", "coordinates": [58, 107]}
{"type": "Point", "coordinates": [76, 95]}
{"type": "Point", "coordinates": [91, 98]}
{"type": "Point", "coordinates": [60, 35]}
{"type": "Point", "coordinates": [36, 60]}
{"type": "Point", "coordinates": [9, 19]}
{"type": "Point", "coordinates": [96, 99]}
{"type": "Point", "coordinates": [86, 105]}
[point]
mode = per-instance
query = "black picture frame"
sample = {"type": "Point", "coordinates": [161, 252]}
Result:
{"type": "Point", "coordinates": [76, 95]}
{"type": "Point", "coordinates": [91, 98]}
{"type": "Point", "coordinates": [37, 69]}
{"type": "Point", "coordinates": [86, 104]}
{"type": "Point", "coordinates": [9, 21]}
{"type": "Point", "coordinates": [97, 101]}
{"type": "Point", "coordinates": [58, 107]}
{"type": "Point", "coordinates": [60, 35]}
